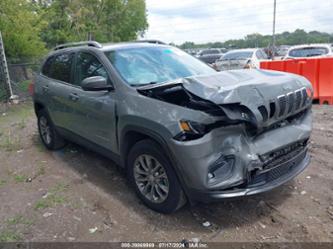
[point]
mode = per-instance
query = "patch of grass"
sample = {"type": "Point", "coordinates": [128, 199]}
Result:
{"type": "Point", "coordinates": [76, 204]}
{"type": "Point", "coordinates": [42, 204]}
{"type": "Point", "coordinates": [19, 178]}
{"type": "Point", "coordinates": [9, 236]}
{"type": "Point", "coordinates": [2, 182]}
{"type": "Point", "coordinates": [60, 187]}
{"type": "Point", "coordinates": [22, 124]}
{"type": "Point", "coordinates": [53, 198]}
{"type": "Point", "coordinates": [15, 112]}
{"type": "Point", "coordinates": [10, 143]}
{"type": "Point", "coordinates": [40, 170]}
{"type": "Point", "coordinates": [19, 219]}
{"type": "Point", "coordinates": [24, 85]}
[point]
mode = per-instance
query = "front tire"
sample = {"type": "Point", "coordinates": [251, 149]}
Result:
{"type": "Point", "coordinates": [47, 132]}
{"type": "Point", "coordinates": [153, 178]}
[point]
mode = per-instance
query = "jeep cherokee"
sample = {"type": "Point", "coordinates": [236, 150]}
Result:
{"type": "Point", "coordinates": [182, 131]}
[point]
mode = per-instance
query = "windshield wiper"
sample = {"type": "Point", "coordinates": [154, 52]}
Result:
{"type": "Point", "coordinates": [145, 84]}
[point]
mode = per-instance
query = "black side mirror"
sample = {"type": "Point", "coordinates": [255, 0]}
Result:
{"type": "Point", "coordinates": [96, 83]}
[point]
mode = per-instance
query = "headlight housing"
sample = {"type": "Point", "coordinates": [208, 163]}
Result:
{"type": "Point", "coordinates": [190, 130]}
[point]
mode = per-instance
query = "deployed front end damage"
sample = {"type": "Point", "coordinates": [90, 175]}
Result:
{"type": "Point", "coordinates": [258, 141]}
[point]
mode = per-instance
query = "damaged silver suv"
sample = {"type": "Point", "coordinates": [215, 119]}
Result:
{"type": "Point", "coordinates": [182, 131]}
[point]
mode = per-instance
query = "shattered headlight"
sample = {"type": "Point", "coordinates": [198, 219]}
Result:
{"type": "Point", "coordinates": [190, 130]}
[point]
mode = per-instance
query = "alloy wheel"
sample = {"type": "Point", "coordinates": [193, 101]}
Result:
{"type": "Point", "coordinates": [151, 178]}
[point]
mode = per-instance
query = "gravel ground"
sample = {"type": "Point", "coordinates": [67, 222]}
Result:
{"type": "Point", "coordinates": [76, 195]}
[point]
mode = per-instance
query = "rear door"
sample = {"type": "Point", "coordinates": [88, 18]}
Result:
{"type": "Point", "coordinates": [57, 72]}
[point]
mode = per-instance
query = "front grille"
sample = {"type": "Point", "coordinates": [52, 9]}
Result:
{"type": "Point", "coordinates": [280, 165]}
{"type": "Point", "coordinates": [274, 158]}
{"type": "Point", "coordinates": [263, 111]}
{"type": "Point", "coordinates": [291, 100]}
{"type": "Point", "coordinates": [298, 101]}
{"type": "Point", "coordinates": [284, 105]}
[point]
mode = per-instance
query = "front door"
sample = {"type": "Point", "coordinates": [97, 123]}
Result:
{"type": "Point", "coordinates": [95, 113]}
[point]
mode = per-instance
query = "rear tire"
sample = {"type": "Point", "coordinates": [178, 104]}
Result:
{"type": "Point", "coordinates": [153, 177]}
{"type": "Point", "coordinates": [47, 132]}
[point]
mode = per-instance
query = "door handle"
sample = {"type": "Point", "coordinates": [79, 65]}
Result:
{"type": "Point", "coordinates": [45, 89]}
{"type": "Point", "coordinates": [74, 97]}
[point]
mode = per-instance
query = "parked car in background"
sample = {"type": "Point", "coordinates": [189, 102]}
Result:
{"type": "Point", "coordinates": [281, 52]}
{"type": "Point", "coordinates": [192, 52]}
{"type": "Point", "coordinates": [310, 50]}
{"type": "Point", "coordinates": [241, 59]}
{"type": "Point", "coordinates": [209, 56]}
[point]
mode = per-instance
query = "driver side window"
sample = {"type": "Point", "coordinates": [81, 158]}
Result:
{"type": "Point", "coordinates": [88, 65]}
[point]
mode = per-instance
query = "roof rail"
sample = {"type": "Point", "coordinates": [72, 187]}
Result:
{"type": "Point", "coordinates": [152, 41]}
{"type": "Point", "coordinates": [76, 44]}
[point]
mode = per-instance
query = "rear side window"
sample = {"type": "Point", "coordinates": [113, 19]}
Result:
{"type": "Point", "coordinates": [261, 54]}
{"type": "Point", "coordinates": [308, 52]}
{"type": "Point", "coordinates": [59, 67]}
{"type": "Point", "coordinates": [258, 54]}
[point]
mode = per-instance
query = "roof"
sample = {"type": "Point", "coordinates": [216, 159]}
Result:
{"type": "Point", "coordinates": [311, 45]}
{"type": "Point", "coordinates": [124, 45]}
{"type": "Point", "coordinates": [109, 46]}
{"type": "Point", "coordinates": [243, 50]}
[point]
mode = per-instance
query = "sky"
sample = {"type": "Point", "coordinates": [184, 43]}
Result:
{"type": "Point", "coordinates": [201, 21]}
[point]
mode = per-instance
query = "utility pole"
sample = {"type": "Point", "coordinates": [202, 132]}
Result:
{"type": "Point", "coordinates": [274, 20]}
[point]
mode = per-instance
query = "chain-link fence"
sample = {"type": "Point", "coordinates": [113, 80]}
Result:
{"type": "Point", "coordinates": [21, 76]}
{"type": "Point", "coordinates": [4, 93]}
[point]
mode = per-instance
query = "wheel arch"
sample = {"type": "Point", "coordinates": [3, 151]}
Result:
{"type": "Point", "coordinates": [38, 107]}
{"type": "Point", "coordinates": [133, 134]}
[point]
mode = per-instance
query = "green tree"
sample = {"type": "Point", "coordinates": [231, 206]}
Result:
{"type": "Point", "coordinates": [101, 20]}
{"type": "Point", "coordinates": [20, 28]}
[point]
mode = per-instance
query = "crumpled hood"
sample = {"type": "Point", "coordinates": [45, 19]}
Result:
{"type": "Point", "coordinates": [261, 97]}
{"type": "Point", "coordinates": [247, 87]}
{"type": "Point", "coordinates": [260, 91]}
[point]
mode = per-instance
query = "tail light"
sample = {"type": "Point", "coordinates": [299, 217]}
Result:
{"type": "Point", "coordinates": [31, 88]}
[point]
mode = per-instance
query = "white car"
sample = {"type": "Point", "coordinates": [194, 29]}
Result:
{"type": "Point", "coordinates": [240, 59]}
{"type": "Point", "coordinates": [310, 50]}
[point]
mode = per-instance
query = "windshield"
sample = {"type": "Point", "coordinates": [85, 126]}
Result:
{"type": "Point", "coordinates": [308, 52]}
{"type": "Point", "coordinates": [237, 55]}
{"type": "Point", "coordinates": [149, 65]}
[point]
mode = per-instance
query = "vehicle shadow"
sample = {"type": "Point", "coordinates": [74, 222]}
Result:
{"type": "Point", "coordinates": [229, 213]}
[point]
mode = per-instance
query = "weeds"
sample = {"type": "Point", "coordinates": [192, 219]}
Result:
{"type": "Point", "coordinates": [9, 236]}
{"type": "Point", "coordinates": [10, 143]}
{"type": "Point", "coordinates": [53, 198]}
{"type": "Point", "coordinates": [19, 219]}
{"type": "Point", "coordinates": [19, 178]}
{"type": "Point", "coordinates": [40, 170]}
{"type": "Point", "coordinates": [2, 182]}
{"type": "Point", "coordinates": [21, 124]}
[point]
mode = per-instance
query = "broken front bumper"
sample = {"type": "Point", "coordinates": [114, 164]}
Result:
{"type": "Point", "coordinates": [257, 163]}
{"type": "Point", "coordinates": [276, 177]}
